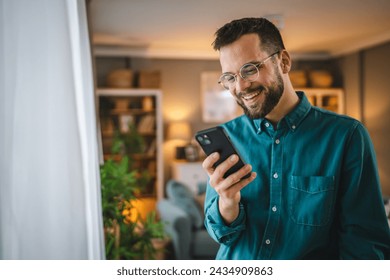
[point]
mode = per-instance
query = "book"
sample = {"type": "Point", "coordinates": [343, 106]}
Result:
{"type": "Point", "coordinates": [146, 124]}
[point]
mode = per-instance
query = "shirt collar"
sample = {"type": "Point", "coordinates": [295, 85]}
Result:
{"type": "Point", "coordinates": [292, 119]}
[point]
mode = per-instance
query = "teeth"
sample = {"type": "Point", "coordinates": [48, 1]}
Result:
{"type": "Point", "coordinates": [250, 96]}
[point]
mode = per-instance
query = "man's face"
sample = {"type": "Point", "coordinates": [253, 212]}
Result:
{"type": "Point", "coordinates": [257, 98]}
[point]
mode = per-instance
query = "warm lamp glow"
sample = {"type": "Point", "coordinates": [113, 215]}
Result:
{"type": "Point", "coordinates": [179, 131]}
{"type": "Point", "coordinates": [176, 112]}
{"type": "Point", "coordinates": [140, 207]}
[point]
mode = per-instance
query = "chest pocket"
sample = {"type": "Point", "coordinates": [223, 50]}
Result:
{"type": "Point", "coordinates": [311, 199]}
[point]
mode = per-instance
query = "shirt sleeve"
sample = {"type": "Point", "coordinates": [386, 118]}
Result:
{"type": "Point", "coordinates": [363, 229]}
{"type": "Point", "coordinates": [218, 230]}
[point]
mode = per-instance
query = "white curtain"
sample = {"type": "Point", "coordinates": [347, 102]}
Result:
{"type": "Point", "coordinates": [49, 169]}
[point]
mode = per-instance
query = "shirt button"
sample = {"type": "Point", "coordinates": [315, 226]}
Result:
{"type": "Point", "coordinates": [268, 242]}
{"type": "Point", "coordinates": [293, 127]}
{"type": "Point", "coordinates": [274, 208]}
{"type": "Point", "coordinates": [277, 141]}
{"type": "Point", "coordinates": [267, 124]}
{"type": "Point", "coordinates": [275, 175]}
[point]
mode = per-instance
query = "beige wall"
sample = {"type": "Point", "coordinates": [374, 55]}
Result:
{"type": "Point", "coordinates": [376, 111]}
{"type": "Point", "coordinates": [367, 86]}
{"type": "Point", "coordinates": [351, 71]}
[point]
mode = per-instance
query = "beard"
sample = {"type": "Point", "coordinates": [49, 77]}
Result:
{"type": "Point", "coordinates": [272, 97]}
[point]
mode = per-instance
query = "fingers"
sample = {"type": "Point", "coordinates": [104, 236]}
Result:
{"type": "Point", "coordinates": [209, 162]}
{"type": "Point", "coordinates": [225, 166]}
{"type": "Point", "coordinates": [237, 176]}
{"type": "Point", "coordinates": [232, 183]}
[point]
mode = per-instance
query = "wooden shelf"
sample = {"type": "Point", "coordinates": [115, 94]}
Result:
{"type": "Point", "coordinates": [121, 110]}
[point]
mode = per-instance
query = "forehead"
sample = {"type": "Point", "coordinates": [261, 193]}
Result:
{"type": "Point", "coordinates": [245, 49]}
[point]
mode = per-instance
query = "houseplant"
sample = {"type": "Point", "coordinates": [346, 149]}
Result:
{"type": "Point", "coordinates": [127, 234]}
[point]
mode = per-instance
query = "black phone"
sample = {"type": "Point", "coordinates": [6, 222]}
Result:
{"type": "Point", "coordinates": [216, 139]}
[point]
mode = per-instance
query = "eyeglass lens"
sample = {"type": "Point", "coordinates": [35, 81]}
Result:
{"type": "Point", "coordinates": [248, 72]}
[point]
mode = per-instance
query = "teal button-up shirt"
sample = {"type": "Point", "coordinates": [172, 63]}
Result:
{"type": "Point", "coordinates": [316, 196]}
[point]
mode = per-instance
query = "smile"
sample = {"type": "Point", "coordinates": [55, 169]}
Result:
{"type": "Point", "coordinates": [251, 96]}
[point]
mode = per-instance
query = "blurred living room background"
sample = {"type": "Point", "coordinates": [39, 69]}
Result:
{"type": "Point", "coordinates": [340, 54]}
{"type": "Point", "coordinates": [155, 84]}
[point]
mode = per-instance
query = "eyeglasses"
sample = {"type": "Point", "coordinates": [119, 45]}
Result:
{"type": "Point", "coordinates": [249, 72]}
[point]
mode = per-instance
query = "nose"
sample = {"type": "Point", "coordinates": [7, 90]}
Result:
{"type": "Point", "coordinates": [241, 84]}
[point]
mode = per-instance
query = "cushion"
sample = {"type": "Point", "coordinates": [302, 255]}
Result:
{"type": "Point", "coordinates": [183, 198]}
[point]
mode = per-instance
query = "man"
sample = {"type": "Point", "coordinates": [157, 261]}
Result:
{"type": "Point", "coordinates": [314, 189]}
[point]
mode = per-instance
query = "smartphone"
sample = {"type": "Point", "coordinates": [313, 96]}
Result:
{"type": "Point", "coordinates": [216, 139]}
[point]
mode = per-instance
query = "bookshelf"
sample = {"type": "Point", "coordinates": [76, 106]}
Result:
{"type": "Point", "coordinates": [135, 112]}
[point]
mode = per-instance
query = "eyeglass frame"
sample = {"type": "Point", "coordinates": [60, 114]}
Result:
{"type": "Point", "coordinates": [257, 65]}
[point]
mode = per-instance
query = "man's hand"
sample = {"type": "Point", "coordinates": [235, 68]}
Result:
{"type": "Point", "coordinates": [228, 189]}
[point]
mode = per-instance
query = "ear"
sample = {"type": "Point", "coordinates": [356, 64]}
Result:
{"type": "Point", "coordinates": [285, 62]}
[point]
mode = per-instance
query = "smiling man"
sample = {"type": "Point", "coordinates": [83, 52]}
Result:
{"type": "Point", "coordinates": [314, 189]}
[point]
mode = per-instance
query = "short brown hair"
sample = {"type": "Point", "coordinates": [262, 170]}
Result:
{"type": "Point", "coordinates": [271, 40]}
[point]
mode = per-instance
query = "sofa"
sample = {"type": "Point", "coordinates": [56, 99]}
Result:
{"type": "Point", "coordinates": [182, 215]}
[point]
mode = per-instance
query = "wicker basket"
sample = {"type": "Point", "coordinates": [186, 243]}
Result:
{"type": "Point", "coordinates": [321, 79]}
{"type": "Point", "coordinates": [298, 78]}
{"type": "Point", "coordinates": [120, 78]}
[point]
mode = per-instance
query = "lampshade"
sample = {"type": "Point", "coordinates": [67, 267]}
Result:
{"type": "Point", "coordinates": [179, 130]}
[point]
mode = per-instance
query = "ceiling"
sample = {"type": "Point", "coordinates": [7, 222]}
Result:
{"type": "Point", "coordinates": [185, 28]}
